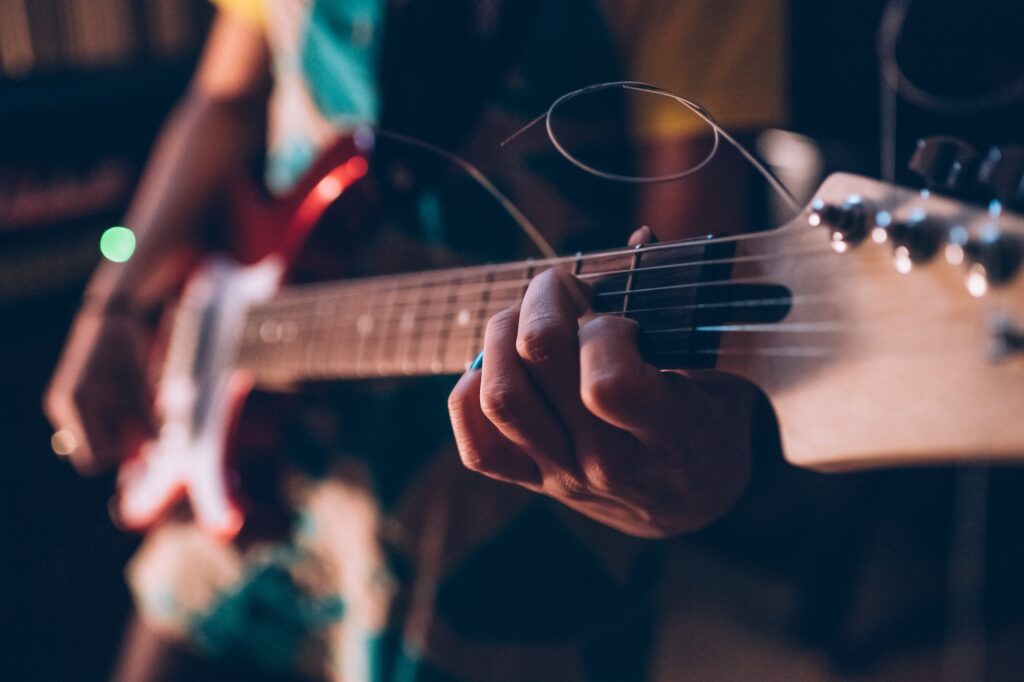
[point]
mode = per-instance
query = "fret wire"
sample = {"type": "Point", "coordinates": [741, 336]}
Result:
{"type": "Point", "coordinates": [364, 325]}
{"type": "Point", "coordinates": [382, 348]}
{"type": "Point", "coordinates": [527, 279]}
{"type": "Point", "coordinates": [318, 351]}
{"type": "Point", "coordinates": [407, 358]}
{"type": "Point", "coordinates": [629, 278]}
{"type": "Point", "coordinates": [482, 317]}
{"type": "Point", "coordinates": [445, 332]}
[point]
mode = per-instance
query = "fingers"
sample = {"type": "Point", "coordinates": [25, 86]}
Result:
{"type": "Point", "coordinates": [511, 401]}
{"type": "Point", "coordinates": [67, 422]}
{"type": "Point", "coordinates": [547, 343]}
{"type": "Point", "coordinates": [482, 447]}
{"type": "Point", "coordinates": [642, 235]}
{"type": "Point", "coordinates": [100, 397]}
{"type": "Point", "coordinates": [660, 409]}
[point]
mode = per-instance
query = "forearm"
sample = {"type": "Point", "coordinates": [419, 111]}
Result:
{"type": "Point", "coordinates": [207, 140]}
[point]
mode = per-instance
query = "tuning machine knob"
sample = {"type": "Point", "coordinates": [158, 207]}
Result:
{"type": "Point", "coordinates": [848, 222]}
{"type": "Point", "coordinates": [946, 164]}
{"type": "Point", "coordinates": [1002, 174]}
{"type": "Point", "coordinates": [1007, 339]}
{"type": "Point", "coordinates": [992, 258]}
{"type": "Point", "coordinates": [915, 240]}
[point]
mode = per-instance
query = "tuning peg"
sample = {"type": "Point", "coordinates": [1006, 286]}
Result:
{"type": "Point", "coordinates": [916, 240]}
{"type": "Point", "coordinates": [848, 222]}
{"type": "Point", "coordinates": [1001, 173]}
{"type": "Point", "coordinates": [993, 259]}
{"type": "Point", "coordinates": [946, 164]}
{"type": "Point", "coordinates": [1007, 338]}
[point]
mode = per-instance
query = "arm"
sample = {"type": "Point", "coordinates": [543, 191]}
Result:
{"type": "Point", "coordinates": [98, 391]}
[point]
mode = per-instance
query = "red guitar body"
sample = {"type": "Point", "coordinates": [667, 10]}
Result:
{"type": "Point", "coordinates": [200, 395]}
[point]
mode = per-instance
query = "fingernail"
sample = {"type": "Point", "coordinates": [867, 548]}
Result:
{"type": "Point", "coordinates": [478, 362]}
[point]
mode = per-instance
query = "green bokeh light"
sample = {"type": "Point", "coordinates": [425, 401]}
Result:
{"type": "Point", "coordinates": [117, 244]}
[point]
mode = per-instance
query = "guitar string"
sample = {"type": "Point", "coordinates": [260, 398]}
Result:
{"type": "Point", "coordinates": [416, 320]}
{"type": "Point", "coordinates": [314, 289]}
{"type": "Point", "coordinates": [434, 355]}
{"type": "Point", "coordinates": [464, 333]}
{"type": "Point", "coordinates": [401, 341]}
{"type": "Point", "coordinates": [339, 291]}
{"type": "Point", "coordinates": [332, 371]}
{"type": "Point", "coordinates": [355, 287]}
{"type": "Point", "coordinates": [426, 307]}
{"type": "Point", "coordinates": [444, 364]}
{"type": "Point", "coordinates": [443, 355]}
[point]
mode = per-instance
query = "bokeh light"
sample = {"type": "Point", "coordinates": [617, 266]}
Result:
{"type": "Point", "coordinates": [117, 244]}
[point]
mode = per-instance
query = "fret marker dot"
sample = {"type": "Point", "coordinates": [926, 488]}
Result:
{"type": "Point", "coordinates": [270, 332]}
{"type": "Point", "coordinates": [436, 367]}
{"type": "Point", "coordinates": [365, 324]}
{"type": "Point", "coordinates": [463, 319]}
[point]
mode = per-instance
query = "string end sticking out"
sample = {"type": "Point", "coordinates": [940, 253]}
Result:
{"type": "Point", "coordinates": [528, 228]}
{"type": "Point", "coordinates": [718, 133]}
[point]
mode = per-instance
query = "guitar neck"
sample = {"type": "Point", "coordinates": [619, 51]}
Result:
{"type": "Point", "coordinates": [433, 322]}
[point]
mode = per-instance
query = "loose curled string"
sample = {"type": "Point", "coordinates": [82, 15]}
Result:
{"type": "Point", "coordinates": [528, 228]}
{"type": "Point", "coordinates": [638, 86]}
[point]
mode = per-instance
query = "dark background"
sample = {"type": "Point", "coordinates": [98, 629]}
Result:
{"type": "Point", "coordinates": [813, 576]}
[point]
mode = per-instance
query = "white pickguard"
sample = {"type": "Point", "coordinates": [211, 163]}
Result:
{"type": "Point", "coordinates": [194, 401]}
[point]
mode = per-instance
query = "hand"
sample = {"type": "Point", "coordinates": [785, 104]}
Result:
{"type": "Point", "coordinates": [565, 406]}
{"type": "Point", "coordinates": [99, 394]}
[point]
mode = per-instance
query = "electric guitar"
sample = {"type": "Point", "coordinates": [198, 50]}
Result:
{"type": "Point", "coordinates": [885, 325]}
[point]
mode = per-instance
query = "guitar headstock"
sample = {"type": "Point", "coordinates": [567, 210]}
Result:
{"type": "Point", "coordinates": [905, 340]}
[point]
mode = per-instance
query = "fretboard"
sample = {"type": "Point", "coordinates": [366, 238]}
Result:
{"type": "Point", "coordinates": [433, 322]}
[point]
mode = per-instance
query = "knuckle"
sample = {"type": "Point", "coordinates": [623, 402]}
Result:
{"type": "Point", "coordinates": [502, 321]}
{"type": "Point", "coordinates": [604, 389]}
{"type": "Point", "coordinates": [81, 395]}
{"type": "Point", "coordinates": [603, 474]}
{"type": "Point", "coordinates": [611, 324]}
{"type": "Point", "coordinates": [599, 478]}
{"type": "Point", "coordinates": [545, 280]}
{"type": "Point", "coordinates": [52, 403]}
{"type": "Point", "coordinates": [473, 461]}
{"type": "Point", "coordinates": [567, 485]}
{"type": "Point", "coordinates": [544, 338]}
{"type": "Point", "coordinates": [456, 402]}
{"type": "Point", "coordinates": [500, 404]}
{"type": "Point", "coordinates": [558, 284]}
